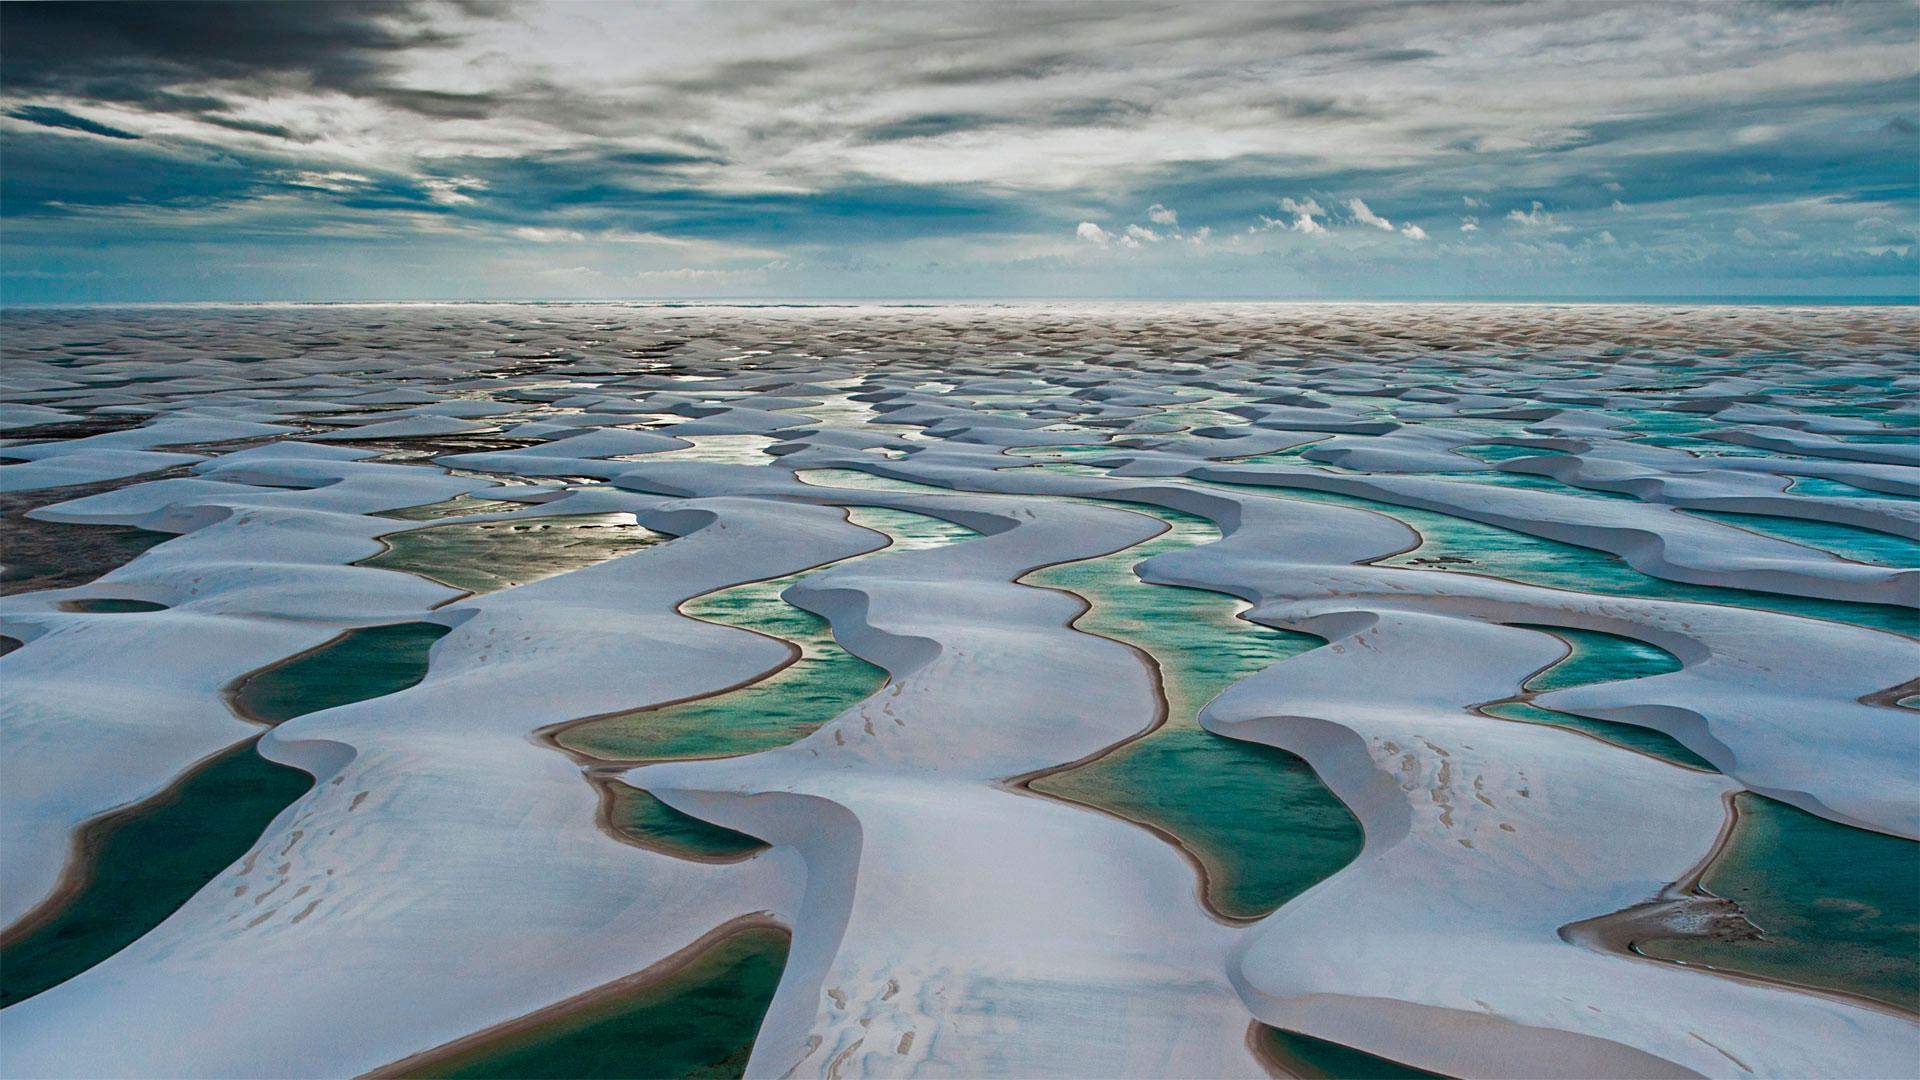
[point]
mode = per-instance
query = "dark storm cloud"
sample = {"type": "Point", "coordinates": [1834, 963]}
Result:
{"type": "Point", "coordinates": [1400, 56]}
{"type": "Point", "coordinates": [1306, 107]}
{"type": "Point", "coordinates": [1106, 112]}
{"type": "Point", "coordinates": [47, 116]}
{"type": "Point", "coordinates": [659, 159]}
{"type": "Point", "coordinates": [442, 104]}
{"type": "Point", "coordinates": [252, 127]}
{"type": "Point", "coordinates": [131, 53]}
{"type": "Point", "coordinates": [60, 46]}
{"type": "Point", "coordinates": [1024, 70]}
{"type": "Point", "coordinates": [728, 77]}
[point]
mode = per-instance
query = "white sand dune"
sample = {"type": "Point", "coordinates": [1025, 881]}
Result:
{"type": "Point", "coordinates": [450, 871]}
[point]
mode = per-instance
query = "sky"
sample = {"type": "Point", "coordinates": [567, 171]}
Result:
{"type": "Point", "coordinates": [418, 151]}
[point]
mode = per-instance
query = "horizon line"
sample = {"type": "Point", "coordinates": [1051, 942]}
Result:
{"type": "Point", "coordinates": [1543, 300]}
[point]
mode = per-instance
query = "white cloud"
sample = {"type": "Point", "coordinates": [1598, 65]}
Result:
{"type": "Point", "coordinates": [537, 235]}
{"type": "Point", "coordinates": [1136, 235]}
{"type": "Point", "coordinates": [451, 192]}
{"type": "Point", "coordinates": [1413, 232]}
{"type": "Point", "coordinates": [1603, 237]}
{"type": "Point", "coordinates": [1473, 203]}
{"type": "Point", "coordinates": [1469, 224]}
{"type": "Point", "coordinates": [1303, 210]}
{"type": "Point", "coordinates": [329, 181]}
{"type": "Point", "coordinates": [1536, 217]}
{"type": "Point", "coordinates": [1365, 216]}
{"type": "Point", "coordinates": [1614, 186]}
{"type": "Point", "coordinates": [1619, 207]}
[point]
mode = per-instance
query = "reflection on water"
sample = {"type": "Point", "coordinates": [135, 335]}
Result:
{"type": "Point", "coordinates": [718, 449]}
{"type": "Point", "coordinates": [55, 555]}
{"type": "Point", "coordinates": [458, 506]}
{"type": "Point", "coordinates": [484, 557]}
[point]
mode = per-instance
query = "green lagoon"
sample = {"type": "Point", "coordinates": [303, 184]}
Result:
{"type": "Point", "coordinates": [1452, 543]}
{"type": "Point", "coordinates": [697, 1022]}
{"type": "Point", "coordinates": [1308, 1058]}
{"type": "Point", "coordinates": [1846, 541]}
{"type": "Point", "coordinates": [780, 708]}
{"type": "Point", "coordinates": [144, 862]}
{"type": "Point", "coordinates": [111, 606]}
{"type": "Point", "coordinates": [638, 816]}
{"type": "Point", "coordinates": [1600, 657]}
{"type": "Point", "coordinates": [369, 662]}
{"type": "Point", "coordinates": [1838, 908]}
{"type": "Point", "coordinates": [1257, 818]}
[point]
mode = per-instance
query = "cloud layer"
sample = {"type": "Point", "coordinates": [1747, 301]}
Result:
{"type": "Point", "coordinates": [189, 150]}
